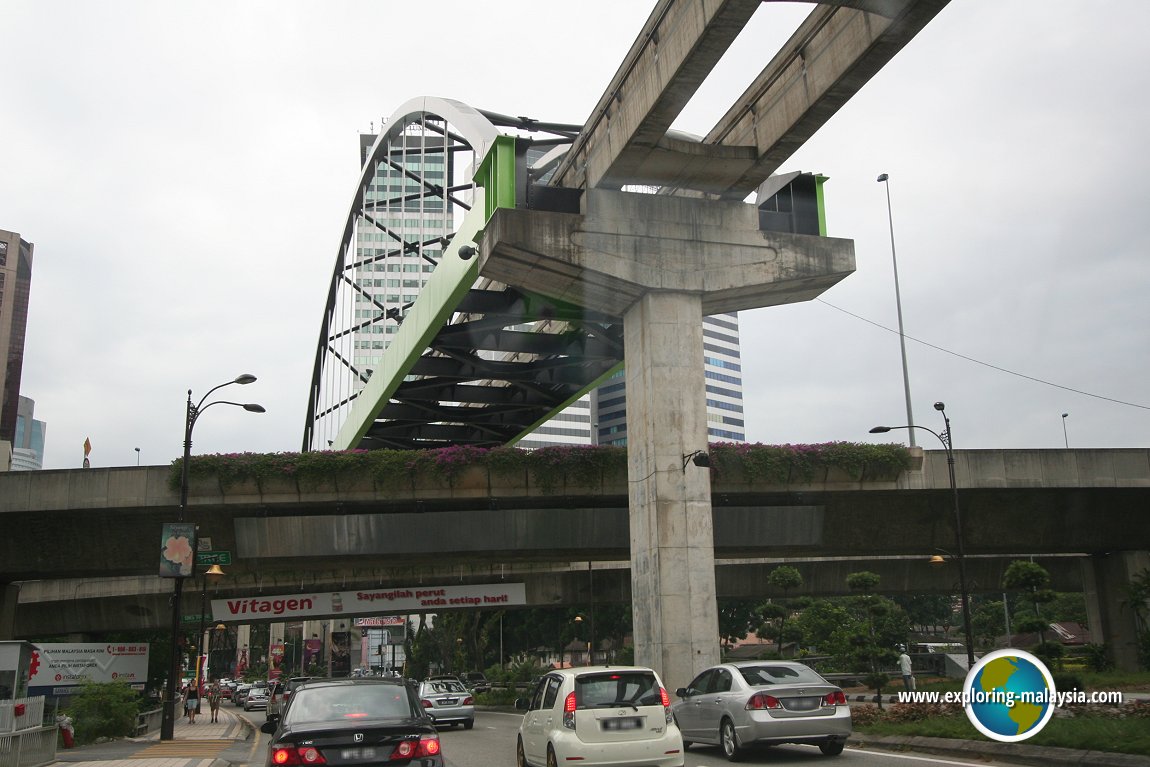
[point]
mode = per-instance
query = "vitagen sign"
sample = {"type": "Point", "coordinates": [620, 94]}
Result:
{"type": "Point", "coordinates": [369, 601]}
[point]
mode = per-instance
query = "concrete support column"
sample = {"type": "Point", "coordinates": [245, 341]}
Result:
{"type": "Point", "coordinates": [9, 596]}
{"type": "Point", "coordinates": [676, 623]}
{"type": "Point", "coordinates": [1112, 622]}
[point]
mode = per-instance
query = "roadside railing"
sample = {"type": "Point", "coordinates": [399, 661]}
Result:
{"type": "Point", "coordinates": [148, 721]}
{"type": "Point", "coordinates": [28, 748]}
{"type": "Point", "coordinates": [21, 714]}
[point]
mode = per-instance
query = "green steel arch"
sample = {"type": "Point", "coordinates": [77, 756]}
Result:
{"type": "Point", "coordinates": [439, 356]}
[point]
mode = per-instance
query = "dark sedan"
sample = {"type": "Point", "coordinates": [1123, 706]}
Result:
{"type": "Point", "coordinates": [348, 722]}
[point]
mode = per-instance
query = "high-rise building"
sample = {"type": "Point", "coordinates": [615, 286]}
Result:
{"type": "Point", "coordinates": [15, 284]}
{"type": "Point", "coordinates": [28, 446]}
{"type": "Point", "coordinates": [723, 370]}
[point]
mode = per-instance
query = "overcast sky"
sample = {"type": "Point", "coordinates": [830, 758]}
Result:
{"type": "Point", "coordinates": [184, 169]}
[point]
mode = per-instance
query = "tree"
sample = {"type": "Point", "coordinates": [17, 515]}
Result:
{"type": "Point", "coordinates": [784, 578]}
{"type": "Point", "coordinates": [104, 710]}
{"type": "Point", "coordinates": [865, 643]}
{"type": "Point", "coordinates": [927, 611]}
{"type": "Point", "coordinates": [736, 617]}
{"type": "Point", "coordinates": [1033, 579]}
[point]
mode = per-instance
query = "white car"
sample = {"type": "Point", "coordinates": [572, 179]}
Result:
{"type": "Point", "coordinates": [599, 716]}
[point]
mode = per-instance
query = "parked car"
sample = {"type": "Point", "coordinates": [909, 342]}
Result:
{"type": "Point", "coordinates": [447, 701]}
{"type": "Point", "coordinates": [599, 715]}
{"type": "Point", "coordinates": [257, 697]}
{"type": "Point", "coordinates": [741, 705]}
{"type": "Point", "coordinates": [281, 693]}
{"type": "Point", "coordinates": [353, 721]}
{"type": "Point", "coordinates": [476, 681]}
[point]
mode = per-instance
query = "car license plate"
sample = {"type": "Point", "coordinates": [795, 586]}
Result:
{"type": "Point", "coordinates": [801, 704]}
{"type": "Point", "coordinates": [628, 723]}
{"type": "Point", "coordinates": [356, 754]}
{"type": "Point", "coordinates": [448, 701]}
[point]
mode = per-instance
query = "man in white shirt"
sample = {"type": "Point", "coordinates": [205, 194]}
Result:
{"type": "Point", "coordinates": [905, 668]}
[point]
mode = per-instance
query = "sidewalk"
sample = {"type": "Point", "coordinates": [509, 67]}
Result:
{"type": "Point", "coordinates": [194, 745]}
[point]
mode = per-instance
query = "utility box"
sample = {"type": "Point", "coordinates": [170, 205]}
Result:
{"type": "Point", "coordinates": [15, 669]}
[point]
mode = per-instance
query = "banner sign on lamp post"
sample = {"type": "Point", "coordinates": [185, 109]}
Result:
{"type": "Point", "coordinates": [370, 601]}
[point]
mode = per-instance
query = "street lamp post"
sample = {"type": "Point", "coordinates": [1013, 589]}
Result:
{"type": "Point", "coordinates": [884, 179]}
{"type": "Point", "coordinates": [203, 657]}
{"type": "Point", "coordinates": [947, 443]}
{"type": "Point", "coordinates": [168, 717]}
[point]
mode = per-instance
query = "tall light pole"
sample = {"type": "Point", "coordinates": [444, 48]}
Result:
{"type": "Point", "coordinates": [1065, 438]}
{"type": "Point", "coordinates": [168, 717]}
{"type": "Point", "coordinates": [885, 180]}
{"type": "Point", "coordinates": [946, 439]}
{"type": "Point", "coordinates": [204, 656]}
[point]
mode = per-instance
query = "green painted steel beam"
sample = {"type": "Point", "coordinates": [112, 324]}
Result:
{"type": "Point", "coordinates": [437, 302]}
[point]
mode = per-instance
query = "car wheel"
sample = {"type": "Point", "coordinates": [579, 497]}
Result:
{"type": "Point", "coordinates": [831, 747]}
{"type": "Point", "coordinates": [729, 740]}
{"type": "Point", "coordinates": [551, 760]}
{"type": "Point", "coordinates": [520, 758]}
{"type": "Point", "coordinates": [469, 724]}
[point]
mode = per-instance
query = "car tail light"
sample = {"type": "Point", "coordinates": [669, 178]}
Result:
{"type": "Point", "coordinates": [761, 701]}
{"type": "Point", "coordinates": [469, 701]}
{"type": "Point", "coordinates": [428, 745]}
{"type": "Point", "coordinates": [835, 698]}
{"type": "Point", "coordinates": [426, 703]}
{"type": "Point", "coordinates": [569, 711]}
{"type": "Point", "coordinates": [287, 755]}
{"type": "Point", "coordinates": [666, 705]}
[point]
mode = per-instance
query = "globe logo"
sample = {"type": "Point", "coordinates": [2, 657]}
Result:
{"type": "Point", "coordinates": [1009, 695]}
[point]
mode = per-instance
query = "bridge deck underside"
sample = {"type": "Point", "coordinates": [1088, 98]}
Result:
{"type": "Point", "coordinates": [493, 376]}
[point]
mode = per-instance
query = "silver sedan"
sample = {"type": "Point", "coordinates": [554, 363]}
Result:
{"type": "Point", "coordinates": [447, 701]}
{"type": "Point", "coordinates": [740, 705]}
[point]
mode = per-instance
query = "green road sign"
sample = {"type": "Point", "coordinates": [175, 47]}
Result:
{"type": "Point", "coordinates": [213, 557]}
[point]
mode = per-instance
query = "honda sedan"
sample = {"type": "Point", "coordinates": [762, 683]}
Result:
{"type": "Point", "coordinates": [353, 723]}
{"type": "Point", "coordinates": [741, 705]}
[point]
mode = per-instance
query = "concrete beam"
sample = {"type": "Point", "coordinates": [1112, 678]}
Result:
{"type": "Point", "coordinates": [624, 245]}
{"type": "Point", "coordinates": [92, 606]}
{"type": "Point", "coordinates": [828, 59]}
{"type": "Point", "coordinates": [677, 48]}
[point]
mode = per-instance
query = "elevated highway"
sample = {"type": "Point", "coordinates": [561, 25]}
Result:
{"type": "Point", "coordinates": [69, 534]}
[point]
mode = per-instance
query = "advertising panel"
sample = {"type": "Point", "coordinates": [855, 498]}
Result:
{"type": "Point", "coordinates": [63, 665]}
{"type": "Point", "coordinates": [417, 599]}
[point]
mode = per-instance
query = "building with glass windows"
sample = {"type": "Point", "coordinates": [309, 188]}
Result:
{"type": "Point", "coordinates": [15, 285]}
{"type": "Point", "coordinates": [28, 445]}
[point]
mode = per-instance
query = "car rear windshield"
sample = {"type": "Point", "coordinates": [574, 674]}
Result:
{"type": "Point", "coordinates": [351, 703]}
{"type": "Point", "coordinates": [621, 688]}
{"type": "Point", "coordinates": [773, 674]}
{"type": "Point", "coordinates": [437, 687]}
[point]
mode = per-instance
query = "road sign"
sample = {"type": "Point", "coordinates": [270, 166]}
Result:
{"type": "Point", "coordinates": [213, 557]}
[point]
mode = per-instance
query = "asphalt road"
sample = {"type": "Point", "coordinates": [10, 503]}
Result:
{"type": "Point", "coordinates": [492, 744]}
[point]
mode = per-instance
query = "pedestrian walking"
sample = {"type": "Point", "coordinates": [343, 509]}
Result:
{"type": "Point", "coordinates": [215, 695]}
{"type": "Point", "coordinates": [904, 667]}
{"type": "Point", "coordinates": [192, 702]}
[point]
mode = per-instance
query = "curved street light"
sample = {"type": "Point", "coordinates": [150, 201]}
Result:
{"type": "Point", "coordinates": [168, 717]}
{"type": "Point", "coordinates": [945, 439]}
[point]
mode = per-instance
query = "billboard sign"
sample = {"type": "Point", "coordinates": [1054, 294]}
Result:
{"type": "Point", "coordinates": [369, 602]}
{"type": "Point", "coordinates": [56, 665]}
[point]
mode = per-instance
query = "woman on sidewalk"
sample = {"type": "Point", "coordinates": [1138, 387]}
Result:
{"type": "Point", "coordinates": [192, 702]}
